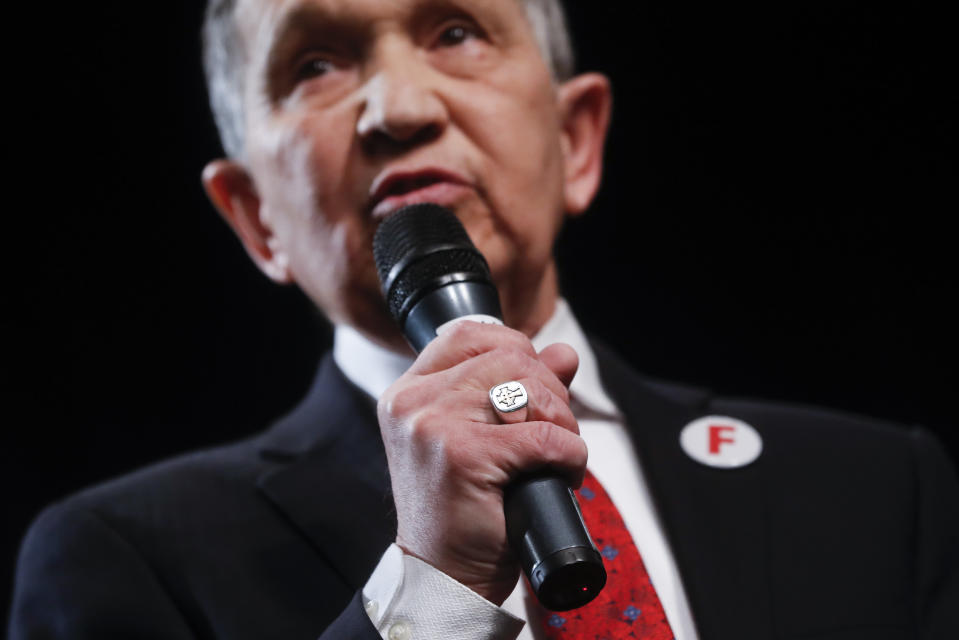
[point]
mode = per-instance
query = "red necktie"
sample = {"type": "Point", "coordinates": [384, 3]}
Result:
{"type": "Point", "coordinates": [628, 606]}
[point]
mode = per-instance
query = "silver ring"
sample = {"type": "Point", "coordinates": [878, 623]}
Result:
{"type": "Point", "coordinates": [509, 396]}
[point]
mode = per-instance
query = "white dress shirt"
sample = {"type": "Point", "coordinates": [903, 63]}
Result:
{"type": "Point", "coordinates": [408, 599]}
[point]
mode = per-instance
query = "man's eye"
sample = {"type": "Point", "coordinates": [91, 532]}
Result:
{"type": "Point", "coordinates": [456, 34]}
{"type": "Point", "coordinates": [313, 68]}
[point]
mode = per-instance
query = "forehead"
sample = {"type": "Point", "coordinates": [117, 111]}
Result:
{"type": "Point", "coordinates": [261, 22]}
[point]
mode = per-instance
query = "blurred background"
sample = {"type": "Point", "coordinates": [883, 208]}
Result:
{"type": "Point", "coordinates": [775, 222]}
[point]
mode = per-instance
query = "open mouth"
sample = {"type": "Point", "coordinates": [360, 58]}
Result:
{"type": "Point", "coordinates": [402, 186]}
{"type": "Point", "coordinates": [406, 188]}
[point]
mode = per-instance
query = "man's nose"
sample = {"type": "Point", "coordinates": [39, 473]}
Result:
{"type": "Point", "coordinates": [402, 105]}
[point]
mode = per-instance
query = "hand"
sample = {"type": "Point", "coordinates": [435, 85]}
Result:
{"type": "Point", "coordinates": [451, 454]}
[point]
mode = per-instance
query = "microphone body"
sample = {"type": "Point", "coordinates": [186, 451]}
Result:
{"type": "Point", "coordinates": [433, 275]}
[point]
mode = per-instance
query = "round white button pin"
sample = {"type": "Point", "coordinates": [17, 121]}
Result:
{"type": "Point", "coordinates": [721, 441]}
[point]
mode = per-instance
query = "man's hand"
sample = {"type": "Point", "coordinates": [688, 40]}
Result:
{"type": "Point", "coordinates": [451, 453]}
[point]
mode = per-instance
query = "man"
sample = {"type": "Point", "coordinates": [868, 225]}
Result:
{"type": "Point", "coordinates": [336, 113]}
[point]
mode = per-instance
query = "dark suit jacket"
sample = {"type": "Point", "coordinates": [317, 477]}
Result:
{"type": "Point", "coordinates": [844, 528]}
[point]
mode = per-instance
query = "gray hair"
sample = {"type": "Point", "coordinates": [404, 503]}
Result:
{"type": "Point", "coordinates": [224, 58]}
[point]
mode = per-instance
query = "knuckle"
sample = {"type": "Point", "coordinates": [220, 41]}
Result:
{"type": "Point", "coordinates": [516, 362]}
{"type": "Point", "coordinates": [555, 386]}
{"type": "Point", "coordinates": [463, 330]}
{"type": "Point", "coordinates": [399, 402]}
{"type": "Point", "coordinates": [473, 331]}
{"type": "Point", "coordinates": [557, 446]}
{"type": "Point", "coordinates": [543, 437]}
{"type": "Point", "coordinates": [505, 336]}
{"type": "Point", "coordinates": [418, 438]}
{"type": "Point", "coordinates": [547, 403]}
{"type": "Point", "coordinates": [426, 424]}
{"type": "Point", "coordinates": [521, 342]}
{"type": "Point", "coordinates": [549, 398]}
{"type": "Point", "coordinates": [518, 338]}
{"type": "Point", "coordinates": [540, 397]}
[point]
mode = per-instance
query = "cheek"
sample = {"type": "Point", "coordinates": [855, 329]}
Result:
{"type": "Point", "coordinates": [520, 127]}
{"type": "Point", "coordinates": [306, 160]}
{"type": "Point", "coordinates": [338, 188]}
{"type": "Point", "coordinates": [527, 191]}
{"type": "Point", "coordinates": [333, 264]}
{"type": "Point", "coordinates": [280, 162]}
{"type": "Point", "coordinates": [303, 174]}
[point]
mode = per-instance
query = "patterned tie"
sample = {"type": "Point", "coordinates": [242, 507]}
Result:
{"type": "Point", "coordinates": [628, 606]}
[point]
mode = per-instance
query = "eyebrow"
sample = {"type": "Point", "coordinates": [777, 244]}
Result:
{"type": "Point", "coordinates": [317, 21]}
{"type": "Point", "coordinates": [308, 17]}
{"type": "Point", "coordinates": [305, 19]}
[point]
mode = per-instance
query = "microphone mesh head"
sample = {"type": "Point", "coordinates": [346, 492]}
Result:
{"type": "Point", "coordinates": [416, 248]}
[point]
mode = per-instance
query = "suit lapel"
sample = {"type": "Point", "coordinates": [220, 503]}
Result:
{"type": "Point", "coordinates": [714, 519]}
{"type": "Point", "coordinates": [333, 485]}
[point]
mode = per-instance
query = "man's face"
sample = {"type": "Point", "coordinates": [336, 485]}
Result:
{"type": "Point", "coordinates": [355, 108]}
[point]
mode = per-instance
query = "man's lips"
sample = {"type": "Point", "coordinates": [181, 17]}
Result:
{"type": "Point", "coordinates": [401, 188]}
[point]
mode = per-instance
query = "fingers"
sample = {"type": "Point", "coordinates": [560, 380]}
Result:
{"type": "Point", "coordinates": [543, 404]}
{"type": "Point", "coordinates": [474, 357]}
{"type": "Point", "coordinates": [503, 364]}
{"type": "Point", "coordinates": [446, 395]}
{"type": "Point", "coordinates": [558, 448]}
{"type": "Point", "coordinates": [466, 340]}
{"type": "Point", "coordinates": [483, 455]}
{"type": "Point", "coordinates": [451, 453]}
{"type": "Point", "coordinates": [532, 446]}
{"type": "Point", "coordinates": [562, 360]}
{"type": "Point", "coordinates": [547, 397]}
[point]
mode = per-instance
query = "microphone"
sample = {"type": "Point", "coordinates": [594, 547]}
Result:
{"type": "Point", "coordinates": [432, 274]}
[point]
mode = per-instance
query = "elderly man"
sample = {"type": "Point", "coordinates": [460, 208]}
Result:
{"type": "Point", "coordinates": [375, 508]}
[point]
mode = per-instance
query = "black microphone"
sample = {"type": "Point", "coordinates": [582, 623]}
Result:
{"type": "Point", "coordinates": [432, 274]}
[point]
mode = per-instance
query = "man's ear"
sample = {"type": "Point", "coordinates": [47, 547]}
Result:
{"type": "Point", "coordinates": [232, 192]}
{"type": "Point", "coordinates": [585, 102]}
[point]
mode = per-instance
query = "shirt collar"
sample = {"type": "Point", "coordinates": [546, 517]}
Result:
{"type": "Point", "coordinates": [369, 366]}
{"type": "Point", "coordinates": [586, 387]}
{"type": "Point", "coordinates": [373, 368]}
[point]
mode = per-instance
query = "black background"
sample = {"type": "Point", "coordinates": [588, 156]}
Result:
{"type": "Point", "coordinates": [775, 221]}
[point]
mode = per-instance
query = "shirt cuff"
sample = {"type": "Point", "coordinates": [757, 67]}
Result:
{"type": "Point", "coordinates": [408, 599]}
